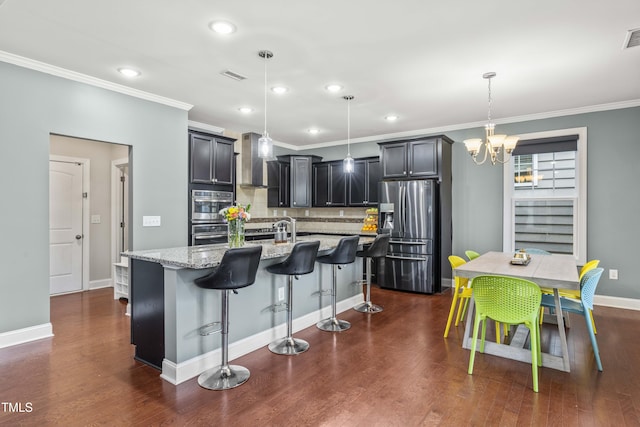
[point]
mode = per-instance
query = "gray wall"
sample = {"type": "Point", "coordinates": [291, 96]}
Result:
{"type": "Point", "coordinates": [32, 106]}
{"type": "Point", "coordinates": [613, 144]}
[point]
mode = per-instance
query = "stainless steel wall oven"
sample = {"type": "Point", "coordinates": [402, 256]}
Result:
{"type": "Point", "coordinates": [207, 225]}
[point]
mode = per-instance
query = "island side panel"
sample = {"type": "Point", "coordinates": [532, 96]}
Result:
{"type": "Point", "coordinates": [250, 311]}
{"type": "Point", "coordinates": [147, 312]}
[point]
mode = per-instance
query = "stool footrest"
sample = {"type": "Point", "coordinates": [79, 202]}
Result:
{"type": "Point", "coordinates": [279, 307]}
{"type": "Point", "coordinates": [210, 328]}
{"type": "Point", "coordinates": [323, 292]}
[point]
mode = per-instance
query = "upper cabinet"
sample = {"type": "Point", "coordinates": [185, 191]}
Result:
{"type": "Point", "coordinates": [363, 182]}
{"type": "Point", "coordinates": [329, 184]}
{"type": "Point", "coordinates": [294, 178]}
{"type": "Point", "coordinates": [301, 181]}
{"type": "Point", "coordinates": [211, 159]}
{"type": "Point", "coordinates": [415, 158]}
{"type": "Point", "coordinates": [278, 184]}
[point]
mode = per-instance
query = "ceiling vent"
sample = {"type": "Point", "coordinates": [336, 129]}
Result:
{"type": "Point", "coordinates": [233, 75]}
{"type": "Point", "coordinates": [633, 38]}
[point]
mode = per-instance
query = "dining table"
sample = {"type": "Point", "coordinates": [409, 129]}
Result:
{"type": "Point", "coordinates": [553, 271]}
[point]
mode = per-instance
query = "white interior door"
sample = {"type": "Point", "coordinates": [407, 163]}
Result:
{"type": "Point", "coordinates": [65, 227]}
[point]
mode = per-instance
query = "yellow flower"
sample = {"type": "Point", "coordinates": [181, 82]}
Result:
{"type": "Point", "coordinates": [236, 212]}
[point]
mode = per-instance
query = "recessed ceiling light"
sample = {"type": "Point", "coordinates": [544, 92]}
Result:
{"type": "Point", "coordinates": [245, 110]}
{"type": "Point", "coordinates": [314, 131]}
{"type": "Point", "coordinates": [333, 88]}
{"type": "Point", "coordinates": [222, 27]}
{"type": "Point", "coordinates": [391, 118]}
{"type": "Point", "coordinates": [279, 90]}
{"type": "Point", "coordinates": [129, 72]}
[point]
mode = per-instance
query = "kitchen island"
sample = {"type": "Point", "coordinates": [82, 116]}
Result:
{"type": "Point", "coordinates": [168, 309]}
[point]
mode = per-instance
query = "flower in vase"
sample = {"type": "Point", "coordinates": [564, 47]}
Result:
{"type": "Point", "coordinates": [236, 212]}
{"type": "Point", "coordinates": [236, 216]}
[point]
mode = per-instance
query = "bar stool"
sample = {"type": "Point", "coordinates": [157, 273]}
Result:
{"type": "Point", "coordinates": [377, 249]}
{"type": "Point", "coordinates": [300, 261]}
{"type": "Point", "coordinates": [344, 253]}
{"type": "Point", "coordinates": [236, 270]}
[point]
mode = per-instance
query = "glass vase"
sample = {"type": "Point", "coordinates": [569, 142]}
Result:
{"type": "Point", "coordinates": [236, 234]}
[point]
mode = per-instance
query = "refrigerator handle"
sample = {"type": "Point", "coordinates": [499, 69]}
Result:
{"type": "Point", "coordinates": [404, 209]}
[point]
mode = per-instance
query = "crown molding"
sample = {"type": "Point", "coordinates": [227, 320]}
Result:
{"type": "Point", "coordinates": [442, 129]}
{"type": "Point", "coordinates": [93, 81]}
{"type": "Point", "coordinates": [204, 127]}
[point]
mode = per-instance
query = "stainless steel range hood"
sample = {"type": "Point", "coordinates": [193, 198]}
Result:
{"type": "Point", "coordinates": [252, 165]}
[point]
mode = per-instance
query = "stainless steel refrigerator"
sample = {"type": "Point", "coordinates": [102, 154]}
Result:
{"type": "Point", "coordinates": [410, 212]}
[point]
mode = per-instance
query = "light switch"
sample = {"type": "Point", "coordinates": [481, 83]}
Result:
{"type": "Point", "coordinates": [151, 221]}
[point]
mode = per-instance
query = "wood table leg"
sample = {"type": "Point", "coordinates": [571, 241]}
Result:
{"type": "Point", "coordinates": [561, 331]}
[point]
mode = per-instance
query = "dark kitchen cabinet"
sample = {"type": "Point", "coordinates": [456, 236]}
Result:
{"type": "Point", "coordinates": [211, 159]}
{"type": "Point", "coordinates": [301, 181]}
{"type": "Point", "coordinates": [363, 182]}
{"type": "Point", "coordinates": [414, 158]}
{"type": "Point", "coordinates": [277, 184]}
{"type": "Point", "coordinates": [329, 184]}
{"type": "Point", "coordinates": [292, 185]}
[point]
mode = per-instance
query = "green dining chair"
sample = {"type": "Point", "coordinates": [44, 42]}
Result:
{"type": "Point", "coordinates": [509, 300]}
{"type": "Point", "coordinates": [471, 255]}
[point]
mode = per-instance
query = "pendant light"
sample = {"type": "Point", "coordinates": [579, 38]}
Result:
{"type": "Point", "coordinates": [348, 161]}
{"type": "Point", "coordinates": [265, 143]}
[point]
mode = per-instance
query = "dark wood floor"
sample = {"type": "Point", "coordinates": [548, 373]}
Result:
{"type": "Point", "coordinates": [390, 369]}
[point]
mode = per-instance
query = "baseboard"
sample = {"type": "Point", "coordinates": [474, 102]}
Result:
{"type": "Point", "coordinates": [617, 302]}
{"type": "Point", "coordinates": [98, 284]}
{"type": "Point", "coordinates": [21, 336]}
{"type": "Point", "coordinates": [181, 372]}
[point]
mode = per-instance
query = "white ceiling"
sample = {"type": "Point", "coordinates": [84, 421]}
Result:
{"type": "Point", "coordinates": [420, 59]}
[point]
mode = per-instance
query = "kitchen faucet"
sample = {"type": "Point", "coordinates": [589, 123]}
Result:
{"type": "Point", "coordinates": [290, 221]}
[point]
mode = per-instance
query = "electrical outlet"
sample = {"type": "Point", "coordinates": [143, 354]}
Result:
{"type": "Point", "coordinates": [284, 212]}
{"type": "Point", "coordinates": [306, 212]}
{"type": "Point", "coordinates": [613, 274]}
{"type": "Point", "coordinates": [95, 219]}
{"type": "Point", "coordinates": [281, 294]}
{"type": "Point", "coordinates": [275, 212]}
{"type": "Point", "coordinates": [151, 221]}
{"type": "Point", "coordinates": [341, 212]}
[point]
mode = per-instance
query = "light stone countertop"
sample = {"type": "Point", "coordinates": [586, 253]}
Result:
{"type": "Point", "coordinates": [208, 256]}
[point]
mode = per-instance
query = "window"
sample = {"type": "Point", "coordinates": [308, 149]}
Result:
{"type": "Point", "coordinates": [545, 194]}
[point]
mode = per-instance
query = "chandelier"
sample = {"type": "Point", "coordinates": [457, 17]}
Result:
{"type": "Point", "coordinates": [265, 143]}
{"type": "Point", "coordinates": [497, 147]}
{"type": "Point", "coordinates": [348, 163]}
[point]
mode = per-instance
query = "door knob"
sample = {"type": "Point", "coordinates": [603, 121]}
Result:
{"type": "Point", "coordinates": [78, 236]}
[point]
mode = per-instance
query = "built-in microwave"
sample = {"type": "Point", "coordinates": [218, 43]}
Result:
{"type": "Point", "coordinates": [206, 205]}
